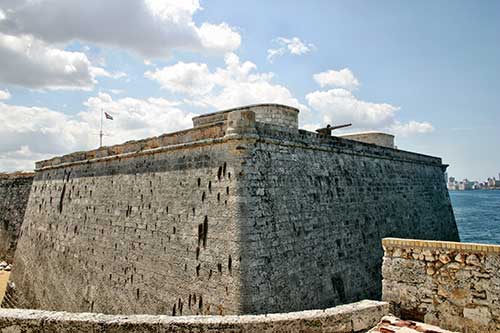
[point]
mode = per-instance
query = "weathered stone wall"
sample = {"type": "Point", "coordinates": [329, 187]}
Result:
{"type": "Point", "coordinates": [14, 193]}
{"type": "Point", "coordinates": [357, 317]}
{"type": "Point", "coordinates": [317, 209]}
{"type": "Point", "coordinates": [231, 217]}
{"type": "Point", "coordinates": [376, 138]}
{"type": "Point", "coordinates": [453, 285]}
{"type": "Point", "coordinates": [153, 233]}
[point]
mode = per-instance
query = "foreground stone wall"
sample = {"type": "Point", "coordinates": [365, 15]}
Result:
{"type": "Point", "coordinates": [453, 285]}
{"type": "Point", "coordinates": [357, 317]}
{"type": "Point", "coordinates": [14, 193]}
{"type": "Point", "coordinates": [317, 209]}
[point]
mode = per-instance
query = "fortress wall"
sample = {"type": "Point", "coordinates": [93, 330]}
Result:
{"type": "Point", "coordinates": [357, 317]}
{"type": "Point", "coordinates": [455, 285]}
{"type": "Point", "coordinates": [14, 193]}
{"type": "Point", "coordinates": [152, 233]}
{"type": "Point", "coordinates": [317, 211]}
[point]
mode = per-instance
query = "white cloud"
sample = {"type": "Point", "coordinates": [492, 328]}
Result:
{"type": "Point", "coordinates": [43, 130]}
{"type": "Point", "coordinates": [117, 91]}
{"type": "Point", "coordinates": [343, 78]}
{"type": "Point", "coordinates": [98, 71]}
{"type": "Point", "coordinates": [293, 46]}
{"type": "Point", "coordinates": [235, 85]}
{"type": "Point", "coordinates": [4, 94]}
{"type": "Point", "coordinates": [340, 106]}
{"type": "Point", "coordinates": [20, 160]}
{"type": "Point", "coordinates": [337, 106]}
{"type": "Point", "coordinates": [135, 118]}
{"type": "Point", "coordinates": [152, 28]}
{"type": "Point", "coordinates": [219, 37]}
{"type": "Point", "coordinates": [411, 128]}
{"type": "Point", "coordinates": [28, 134]}
{"type": "Point", "coordinates": [31, 63]}
{"type": "Point", "coordinates": [190, 78]}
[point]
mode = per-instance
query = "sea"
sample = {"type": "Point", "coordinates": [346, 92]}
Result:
{"type": "Point", "coordinates": [478, 215]}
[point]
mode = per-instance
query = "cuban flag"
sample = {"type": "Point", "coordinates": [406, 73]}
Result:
{"type": "Point", "coordinates": [108, 116]}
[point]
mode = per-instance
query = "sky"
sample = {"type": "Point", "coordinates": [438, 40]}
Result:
{"type": "Point", "coordinates": [426, 71]}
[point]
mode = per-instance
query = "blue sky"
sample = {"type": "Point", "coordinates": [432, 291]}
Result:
{"type": "Point", "coordinates": [426, 71]}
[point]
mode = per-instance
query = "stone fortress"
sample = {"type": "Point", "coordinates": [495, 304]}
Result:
{"type": "Point", "coordinates": [242, 214]}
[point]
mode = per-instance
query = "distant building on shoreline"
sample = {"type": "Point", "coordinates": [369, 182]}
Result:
{"type": "Point", "coordinates": [466, 185]}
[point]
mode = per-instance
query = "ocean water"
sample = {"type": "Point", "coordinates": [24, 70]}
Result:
{"type": "Point", "coordinates": [478, 215]}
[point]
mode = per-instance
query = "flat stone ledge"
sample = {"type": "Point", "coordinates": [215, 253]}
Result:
{"type": "Point", "coordinates": [354, 317]}
{"type": "Point", "coordinates": [399, 242]}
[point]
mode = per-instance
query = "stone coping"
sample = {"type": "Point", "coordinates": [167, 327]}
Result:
{"type": "Point", "coordinates": [473, 247]}
{"type": "Point", "coordinates": [359, 316]}
{"type": "Point", "coordinates": [362, 133]}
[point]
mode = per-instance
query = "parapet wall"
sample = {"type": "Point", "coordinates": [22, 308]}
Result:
{"type": "Point", "coordinates": [14, 193]}
{"type": "Point", "coordinates": [376, 138]}
{"type": "Point", "coordinates": [357, 317]}
{"type": "Point", "coordinates": [453, 285]}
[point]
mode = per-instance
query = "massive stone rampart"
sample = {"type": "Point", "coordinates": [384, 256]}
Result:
{"type": "Point", "coordinates": [238, 215]}
{"type": "Point", "coordinates": [453, 285]}
{"type": "Point", "coordinates": [14, 193]}
{"type": "Point", "coordinates": [317, 209]}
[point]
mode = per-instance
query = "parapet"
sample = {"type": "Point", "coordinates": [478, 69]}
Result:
{"type": "Point", "coordinates": [278, 123]}
{"type": "Point", "coordinates": [376, 138]}
{"type": "Point", "coordinates": [274, 114]}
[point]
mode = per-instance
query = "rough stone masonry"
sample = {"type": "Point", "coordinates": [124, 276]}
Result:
{"type": "Point", "coordinates": [453, 285]}
{"type": "Point", "coordinates": [14, 193]}
{"type": "Point", "coordinates": [244, 213]}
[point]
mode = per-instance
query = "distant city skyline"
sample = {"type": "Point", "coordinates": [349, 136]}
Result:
{"type": "Point", "coordinates": [497, 177]}
{"type": "Point", "coordinates": [425, 71]}
{"type": "Point", "coordinates": [491, 183]}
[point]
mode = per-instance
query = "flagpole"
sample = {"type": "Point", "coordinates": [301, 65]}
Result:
{"type": "Point", "coordinates": [100, 133]}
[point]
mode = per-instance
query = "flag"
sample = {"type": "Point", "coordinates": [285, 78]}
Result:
{"type": "Point", "coordinates": [108, 116]}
